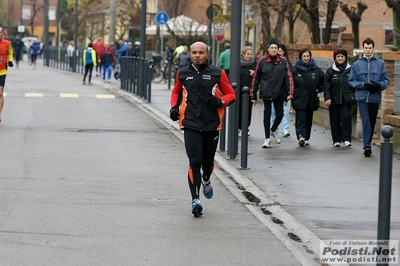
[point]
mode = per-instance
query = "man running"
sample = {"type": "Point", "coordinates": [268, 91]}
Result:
{"type": "Point", "coordinates": [6, 57]}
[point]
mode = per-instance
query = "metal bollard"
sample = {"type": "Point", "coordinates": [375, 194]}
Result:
{"type": "Point", "coordinates": [245, 122]}
{"type": "Point", "coordinates": [233, 129]}
{"type": "Point", "coordinates": [385, 185]}
{"type": "Point", "coordinates": [222, 133]}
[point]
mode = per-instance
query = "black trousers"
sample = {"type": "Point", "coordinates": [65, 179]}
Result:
{"type": "Point", "coordinates": [88, 69]}
{"type": "Point", "coordinates": [304, 119]}
{"type": "Point", "coordinates": [340, 119]}
{"type": "Point", "coordinates": [200, 148]}
{"type": "Point", "coordinates": [278, 105]}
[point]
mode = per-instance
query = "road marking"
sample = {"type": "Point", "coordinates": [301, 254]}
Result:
{"type": "Point", "coordinates": [69, 95]}
{"type": "Point", "coordinates": [105, 96]}
{"type": "Point", "coordinates": [33, 94]}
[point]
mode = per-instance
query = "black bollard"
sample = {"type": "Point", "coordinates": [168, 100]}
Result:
{"type": "Point", "coordinates": [222, 133]}
{"type": "Point", "coordinates": [244, 125]}
{"type": "Point", "coordinates": [232, 130]}
{"type": "Point", "coordinates": [385, 186]}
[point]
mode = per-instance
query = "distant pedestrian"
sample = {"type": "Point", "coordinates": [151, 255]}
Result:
{"type": "Point", "coordinates": [272, 79]}
{"type": "Point", "coordinates": [339, 97]}
{"type": "Point", "coordinates": [183, 58]}
{"type": "Point", "coordinates": [282, 51]}
{"type": "Point", "coordinates": [224, 60]}
{"type": "Point", "coordinates": [136, 50]}
{"type": "Point", "coordinates": [18, 47]}
{"type": "Point", "coordinates": [107, 60]}
{"type": "Point", "coordinates": [34, 50]}
{"type": "Point", "coordinates": [89, 60]}
{"type": "Point", "coordinates": [247, 67]}
{"type": "Point", "coordinates": [369, 77]}
{"type": "Point", "coordinates": [308, 82]}
{"type": "Point", "coordinates": [70, 53]}
{"type": "Point", "coordinates": [198, 99]}
{"type": "Point", "coordinates": [6, 57]}
{"type": "Point", "coordinates": [98, 46]}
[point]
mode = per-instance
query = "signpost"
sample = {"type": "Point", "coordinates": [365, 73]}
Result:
{"type": "Point", "coordinates": [219, 35]}
{"type": "Point", "coordinates": [162, 18]}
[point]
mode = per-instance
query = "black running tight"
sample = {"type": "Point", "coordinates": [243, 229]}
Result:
{"type": "Point", "coordinates": [200, 148]}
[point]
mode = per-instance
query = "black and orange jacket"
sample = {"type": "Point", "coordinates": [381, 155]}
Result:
{"type": "Point", "coordinates": [192, 88]}
{"type": "Point", "coordinates": [6, 54]}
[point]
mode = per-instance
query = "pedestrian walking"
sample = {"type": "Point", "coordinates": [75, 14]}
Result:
{"type": "Point", "coordinates": [89, 60]}
{"type": "Point", "coordinates": [308, 82]}
{"type": "Point", "coordinates": [6, 57]}
{"type": "Point", "coordinates": [282, 51]}
{"type": "Point", "coordinates": [198, 99]}
{"type": "Point", "coordinates": [18, 47]}
{"type": "Point", "coordinates": [224, 60]}
{"type": "Point", "coordinates": [339, 97]}
{"type": "Point", "coordinates": [247, 67]}
{"type": "Point", "coordinates": [70, 53]}
{"type": "Point", "coordinates": [272, 78]}
{"type": "Point", "coordinates": [98, 46]}
{"type": "Point", "coordinates": [34, 50]}
{"type": "Point", "coordinates": [183, 58]}
{"type": "Point", "coordinates": [136, 50]}
{"type": "Point", "coordinates": [107, 60]}
{"type": "Point", "coordinates": [369, 77]}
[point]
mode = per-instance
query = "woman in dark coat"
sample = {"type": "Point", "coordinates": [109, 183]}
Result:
{"type": "Point", "coordinates": [247, 66]}
{"type": "Point", "coordinates": [339, 97]}
{"type": "Point", "coordinates": [308, 82]}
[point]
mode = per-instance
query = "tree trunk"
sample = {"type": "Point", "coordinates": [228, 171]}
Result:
{"type": "Point", "coordinates": [330, 15]}
{"type": "Point", "coordinates": [355, 27]}
{"type": "Point", "coordinates": [266, 26]}
{"type": "Point", "coordinates": [396, 22]}
{"type": "Point", "coordinates": [354, 14]}
{"type": "Point", "coordinates": [314, 16]}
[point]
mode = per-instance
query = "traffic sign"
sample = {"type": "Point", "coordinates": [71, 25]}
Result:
{"type": "Point", "coordinates": [21, 28]}
{"type": "Point", "coordinates": [162, 18]}
{"type": "Point", "coordinates": [219, 33]}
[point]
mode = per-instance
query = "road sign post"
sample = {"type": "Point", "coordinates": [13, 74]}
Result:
{"type": "Point", "coordinates": [162, 18]}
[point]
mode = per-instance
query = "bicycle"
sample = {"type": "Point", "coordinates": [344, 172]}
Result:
{"type": "Point", "coordinates": [161, 73]}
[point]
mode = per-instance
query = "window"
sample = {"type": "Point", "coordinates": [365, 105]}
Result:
{"type": "Point", "coordinates": [52, 13]}
{"type": "Point", "coordinates": [388, 37]}
{"type": "Point", "coordinates": [26, 12]}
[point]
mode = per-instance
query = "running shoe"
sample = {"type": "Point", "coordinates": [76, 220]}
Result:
{"type": "Point", "coordinates": [207, 189]}
{"type": "Point", "coordinates": [301, 142]}
{"type": "Point", "coordinates": [267, 143]}
{"type": "Point", "coordinates": [347, 143]}
{"type": "Point", "coordinates": [367, 152]}
{"type": "Point", "coordinates": [197, 209]}
{"type": "Point", "coordinates": [337, 144]}
{"type": "Point", "coordinates": [275, 137]}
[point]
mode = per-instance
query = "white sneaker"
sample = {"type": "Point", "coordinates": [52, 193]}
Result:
{"type": "Point", "coordinates": [337, 144]}
{"type": "Point", "coordinates": [275, 137]}
{"type": "Point", "coordinates": [267, 143]}
{"type": "Point", "coordinates": [301, 142]}
{"type": "Point", "coordinates": [347, 143]}
{"type": "Point", "coordinates": [285, 134]}
{"type": "Point", "coordinates": [239, 133]}
{"type": "Point", "coordinates": [307, 142]}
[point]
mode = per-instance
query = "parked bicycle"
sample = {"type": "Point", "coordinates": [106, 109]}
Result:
{"type": "Point", "coordinates": [161, 73]}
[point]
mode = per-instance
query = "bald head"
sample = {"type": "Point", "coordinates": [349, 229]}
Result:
{"type": "Point", "coordinates": [199, 53]}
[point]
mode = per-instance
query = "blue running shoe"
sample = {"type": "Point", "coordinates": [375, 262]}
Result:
{"type": "Point", "coordinates": [197, 209]}
{"type": "Point", "coordinates": [207, 189]}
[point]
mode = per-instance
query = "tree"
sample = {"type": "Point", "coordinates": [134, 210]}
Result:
{"type": "Point", "coordinates": [330, 15]}
{"type": "Point", "coordinates": [37, 6]}
{"type": "Point", "coordinates": [354, 14]}
{"type": "Point", "coordinates": [312, 9]}
{"type": "Point", "coordinates": [395, 5]}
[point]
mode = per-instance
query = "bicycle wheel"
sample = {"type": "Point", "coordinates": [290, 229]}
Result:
{"type": "Point", "coordinates": [157, 75]}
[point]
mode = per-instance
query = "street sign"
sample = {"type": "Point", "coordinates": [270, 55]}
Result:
{"type": "Point", "coordinates": [162, 18]}
{"type": "Point", "coordinates": [21, 28]}
{"type": "Point", "coordinates": [210, 12]}
{"type": "Point", "coordinates": [219, 33]}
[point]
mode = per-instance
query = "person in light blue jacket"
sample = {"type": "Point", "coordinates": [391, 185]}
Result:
{"type": "Point", "coordinates": [368, 76]}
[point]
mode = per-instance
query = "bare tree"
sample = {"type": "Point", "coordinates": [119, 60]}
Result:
{"type": "Point", "coordinates": [312, 9]}
{"type": "Point", "coordinates": [330, 15]}
{"type": "Point", "coordinates": [37, 6]}
{"type": "Point", "coordinates": [354, 14]}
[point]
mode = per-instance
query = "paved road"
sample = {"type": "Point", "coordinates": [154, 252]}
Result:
{"type": "Point", "coordinates": [68, 160]}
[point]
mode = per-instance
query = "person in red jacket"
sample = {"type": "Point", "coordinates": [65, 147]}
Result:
{"type": "Point", "coordinates": [98, 46]}
{"type": "Point", "coordinates": [198, 99]}
{"type": "Point", "coordinates": [6, 57]}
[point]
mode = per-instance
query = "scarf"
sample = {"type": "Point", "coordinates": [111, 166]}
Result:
{"type": "Point", "coordinates": [342, 66]}
{"type": "Point", "coordinates": [246, 63]}
{"type": "Point", "coordinates": [305, 67]}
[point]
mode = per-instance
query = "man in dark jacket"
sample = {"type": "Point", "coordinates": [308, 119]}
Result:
{"type": "Point", "coordinates": [272, 78]}
{"type": "Point", "coordinates": [183, 58]}
{"type": "Point", "coordinates": [18, 47]}
{"type": "Point", "coordinates": [198, 99]}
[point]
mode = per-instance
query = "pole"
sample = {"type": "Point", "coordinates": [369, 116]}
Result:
{"type": "Point", "coordinates": [244, 125]}
{"type": "Point", "coordinates": [112, 21]}
{"type": "Point", "coordinates": [46, 32]}
{"type": "Point", "coordinates": [75, 58]}
{"type": "Point", "coordinates": [385, 186]}
{"type": "Point", "coordinates": [141, 76]}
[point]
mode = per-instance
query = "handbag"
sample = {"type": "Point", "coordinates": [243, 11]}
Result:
{"type": "Point", "coordinates": [314, 103]}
